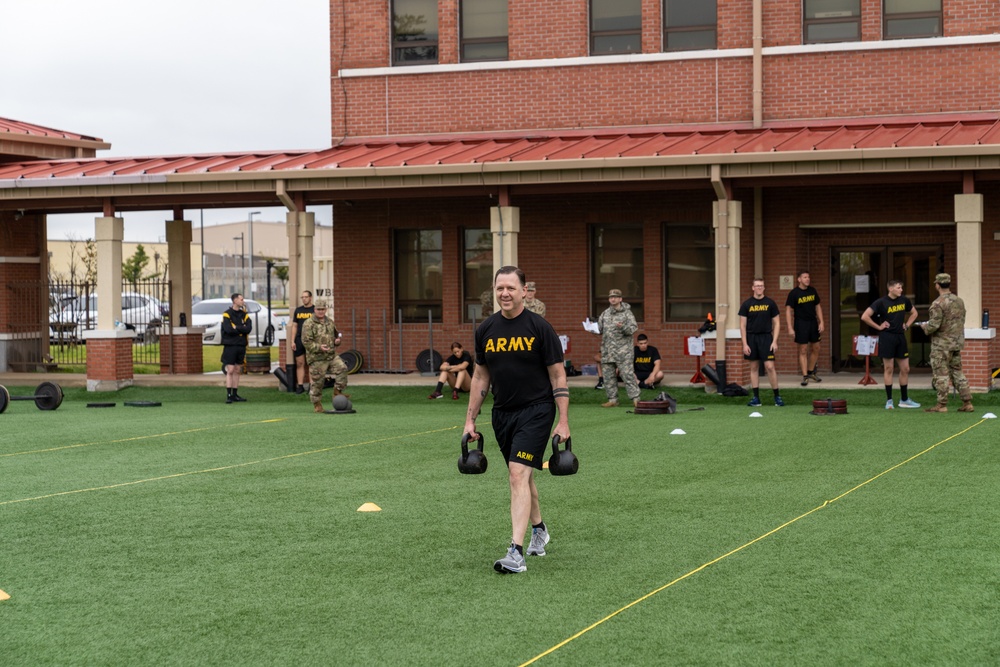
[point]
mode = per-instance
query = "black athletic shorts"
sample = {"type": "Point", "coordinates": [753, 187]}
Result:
{"type": "Point", "coordinates": [892, 346]}
{"type": "Point", "coordinates": [300, 349]}
{"type": "Point", "coordinates": [524, 434]}
{"type": "Point", "coordinates": [806, 331]}
{"type": "Point", "coordinates": [760, 347]}
{"type": "Point", "coordinates": [233, 355]}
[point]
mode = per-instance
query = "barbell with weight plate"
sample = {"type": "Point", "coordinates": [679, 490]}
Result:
{"type": "Point", "coordinates": [47, 396]}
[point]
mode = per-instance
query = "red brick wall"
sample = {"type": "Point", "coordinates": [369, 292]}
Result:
{"type": "Point", "coordinates": [816, 85]}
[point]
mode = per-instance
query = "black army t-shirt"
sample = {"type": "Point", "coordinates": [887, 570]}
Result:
{"type": "Point", "coordinates": [893, 311]}
{"type": "Point", "coordinates": [517, 353]}
{"type": "Point", "coordinates": [803, 302]}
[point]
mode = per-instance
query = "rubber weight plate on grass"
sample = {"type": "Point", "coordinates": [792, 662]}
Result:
{"type": "Point", "coordinates": [829, 406]}
{"type": "Point", "coordinates": [101, 405]}
{"type": "Point", "coordinates": [48, 396]}
{"type": "Point", "coordinates": [143, 404]}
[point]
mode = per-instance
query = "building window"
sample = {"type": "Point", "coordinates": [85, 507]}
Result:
{"type": "Point", "coordinates": [689, 273]}
{"type": "Point", "coordinates": [484, 30]}
{"type": "Point", "coordinates": [617, 263]}
{"type": "Point", "coordinates": [831, 21]}
{"type": "Point", "coordinates": [418, 273]}
{"type": "Point", "coordinates": [615, 27]}
{"type": "Point", "coordinates": [414, 32]}
{"type": "Point", "coordinates": [912, 18]}
{"type": "Point", "coordinates": [688, 26]}
{"type": "Point", "coordinates": [477, 252]}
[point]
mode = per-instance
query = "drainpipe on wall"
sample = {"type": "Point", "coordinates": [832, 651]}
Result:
{"type": "Point", "coordinates": [758, 63]}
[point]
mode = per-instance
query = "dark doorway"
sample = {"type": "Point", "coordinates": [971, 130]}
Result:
{"type": "Point", "coordinates": [859, 277]}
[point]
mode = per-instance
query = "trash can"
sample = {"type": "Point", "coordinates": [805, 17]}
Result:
{"type": "Point", "coordinates": [258, 360]}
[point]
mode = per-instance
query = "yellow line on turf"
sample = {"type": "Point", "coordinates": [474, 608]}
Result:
{"type": "Point", "coordinates": [698, 569]}
{"type": "Point", "coordinates": [220, 468]}
{"type": "Point", "coordinates": [148, 436]}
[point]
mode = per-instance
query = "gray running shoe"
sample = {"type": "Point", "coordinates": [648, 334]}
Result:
{"type": "Point", "coordinates": [539, 538]}
{"type": "Point", "coordinates": [512, 563]}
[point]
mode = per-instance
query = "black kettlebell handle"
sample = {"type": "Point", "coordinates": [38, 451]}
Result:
{"type": "Point", "coordinates": [555, 444]}
{"type": "Point", "coordinates": [465, 444]}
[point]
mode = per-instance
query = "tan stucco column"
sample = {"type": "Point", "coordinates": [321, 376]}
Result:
{"type": "Point", "coordinates": [304, 253]}
{"type": "Point", "coordinates": [179, 261]}
{"type": "Point", "coordinates": [968, 273]}
{"type": "Point", "coordinates": [728, 223]}
{"type": "Point", "coordinates": [108, 235]}
{"type": "Point", "coordinates": [505, 224]}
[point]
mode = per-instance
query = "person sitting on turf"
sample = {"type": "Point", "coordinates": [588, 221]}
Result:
{"type": "Point", "coordinates": [647, 363]}
{"type": "Point", "coordinates": [456, 371]}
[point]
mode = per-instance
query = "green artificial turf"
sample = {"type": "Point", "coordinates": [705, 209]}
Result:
{"type": "Point", "coordinates": [212, 534]}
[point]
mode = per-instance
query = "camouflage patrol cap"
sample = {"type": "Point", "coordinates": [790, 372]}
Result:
{"type": "Point", "coordinates": [943, 279]}
{"type": "Point", "coordinates": [320, 303]}
{"type": "Point", "coordinates": [614, 292]}
{"type": "Point", "coordinates": [530, 286]}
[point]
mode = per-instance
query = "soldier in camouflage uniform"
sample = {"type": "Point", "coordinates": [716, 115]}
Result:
{"type": "Point", "coordinates": [487, 300]}
{"type": "Point", "coordinates": [946, 327]}
{"type": "Point", "coordinates": [530, 302]}
{"type": "Point", "coordinates": [321, 338]}
{"type": "Point", "coordinates": [617, 324]}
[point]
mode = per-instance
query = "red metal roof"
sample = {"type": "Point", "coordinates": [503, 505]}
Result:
{"type": "Point", "coordinates": [777, 139]}
{"type": "Point", "coordinates": [10, 126]}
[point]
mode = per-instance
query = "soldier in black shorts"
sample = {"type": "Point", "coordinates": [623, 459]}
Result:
{"type": "Point", "coordinates": [805, 324]}
{"type": "Point", "coordinates": [760, 323]}
{"type": "Point", "coordinates": [299, 317]}
{"type": "Point", "coordinates": [891, 316]}
{"type": "Point", "coordinates": [519, 353]}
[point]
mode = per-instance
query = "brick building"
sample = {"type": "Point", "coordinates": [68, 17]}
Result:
{"type": "Point", "coordinates": [670, 149]}
{"type": "Point", "coordinates": [857, 140]}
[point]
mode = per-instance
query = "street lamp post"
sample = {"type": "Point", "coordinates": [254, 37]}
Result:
{"type": "Point", "coordinates": [250, 226]}
{"type": "Point", "coordinates": [242, 255]}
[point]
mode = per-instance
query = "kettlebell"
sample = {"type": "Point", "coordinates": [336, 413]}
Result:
{"type": "Point", "coordinates": [474, 462]}
{"type": "Point", "coordinates": [563, 462]}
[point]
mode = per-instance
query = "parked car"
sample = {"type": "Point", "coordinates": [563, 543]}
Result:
{"type": "Point", "coordinates": [79, 314]}
{"type": "Point", "coordinates": [208, 313]}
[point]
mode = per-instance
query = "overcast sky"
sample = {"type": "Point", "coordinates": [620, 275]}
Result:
{"type": "Point", "coordinates": [168, 78]}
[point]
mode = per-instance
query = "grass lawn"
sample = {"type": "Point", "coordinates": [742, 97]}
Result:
{"type": "Point", "coordinates": [204, 533]}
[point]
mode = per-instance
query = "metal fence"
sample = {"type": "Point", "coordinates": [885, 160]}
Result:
{"type": "Point", "coordinates": [48, 321]}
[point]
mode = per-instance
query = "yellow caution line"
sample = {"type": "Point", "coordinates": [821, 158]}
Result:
{"type": "Point", "coordinates": [148, 436]}
{"type": "Point", "coordinates": [698, 569]}
{"type": "Point", "coordinates": [221, 468]}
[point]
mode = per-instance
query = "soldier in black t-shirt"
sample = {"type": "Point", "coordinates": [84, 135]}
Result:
{"type": "Point", "coordinates": [520, 355]}
{"type": "Point", "coordinates": [456, 370]}
{"type": "Point", "coordinates": [301, 314]}
{"type": "Point", "coordinates": [891, 316]}
{"type": "Point", "coordinates": [805, 325]}
{"type": "Point", "coordinates": [646, 363]}
{"type": "Point", "coordinates": [760, 323]}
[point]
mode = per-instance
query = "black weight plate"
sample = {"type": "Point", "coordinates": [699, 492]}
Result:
{"type": "Point", "coordinates": [143, 404]}
{"type": "Point", "coordinates": [101, 405]}
{"type": "Point", "coordinates": [48, 396]}
{"type": "Point", "coordinates": [340, 412]}
{"type": "Point", "coordinates": [4, 398]}
{"type": "Point", "coordinates": [351, 359]}
{"type": "Point", "coordinates": [429, 361]}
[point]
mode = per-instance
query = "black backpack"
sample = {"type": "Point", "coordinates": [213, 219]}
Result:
{"type": "Point", "coordinates": [734, 389]}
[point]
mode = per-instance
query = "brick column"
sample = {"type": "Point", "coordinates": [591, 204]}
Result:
{"type": "Point", "coordinates": [109, 360]}
{"type": "Point", "coordinates": [980, 346]}
{"type": "Point", "coordinates": [181, 351]}
{"type": "Point", "coordinates": [109, 351]}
